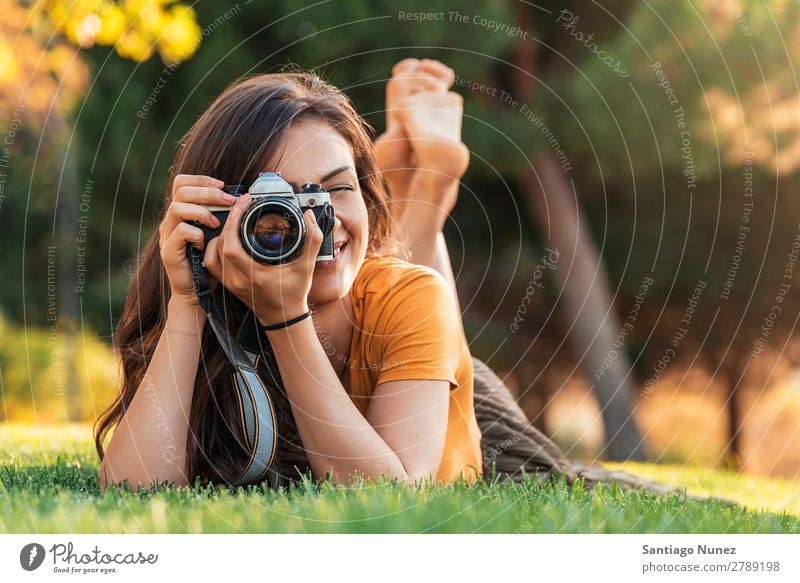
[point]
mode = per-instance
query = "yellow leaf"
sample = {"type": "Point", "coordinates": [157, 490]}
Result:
{"type": "Point", "coordinates": [134, 46]}
{"type": "Point", "coordinates": [151, 20]}
{"type": "Point", "coordinates": [8, 64]}
{"type": "Point", "coordinates": [112, 25]}
{"type": "Point", "coordinates": [181, 36]}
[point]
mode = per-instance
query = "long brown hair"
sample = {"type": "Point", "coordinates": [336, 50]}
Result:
{"type": "Point", "coordinates": [232, 141]}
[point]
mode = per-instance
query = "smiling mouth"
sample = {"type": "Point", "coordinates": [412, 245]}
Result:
{"type": "Point", "coordinates": [338, 249]}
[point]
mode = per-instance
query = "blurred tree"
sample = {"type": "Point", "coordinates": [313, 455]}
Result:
{"type": "Point", "coordinates": [583, 286]}
{"type": "Point", "coordinates": [631, 194]}
{"type": "Point", "coordinates": [693, 158]}
{"type": "Point", "coordinates": [42, 79]}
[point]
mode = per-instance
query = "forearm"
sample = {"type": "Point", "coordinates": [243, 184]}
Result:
{"type": "Point", "coordinates": [150, 441]}
{"type": "Point", "coordinates": [336, 437]}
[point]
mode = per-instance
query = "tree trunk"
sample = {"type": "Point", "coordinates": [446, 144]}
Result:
{"type": "Point", "coordinates": [733, 449]}
{"type": "Point", "coordinates": [584, 291]}
{"type": "Point", "coordinates": [579, 272]}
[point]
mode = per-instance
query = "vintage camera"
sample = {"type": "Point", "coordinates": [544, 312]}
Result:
{"type": "Point", "coordinates": [272, 229]}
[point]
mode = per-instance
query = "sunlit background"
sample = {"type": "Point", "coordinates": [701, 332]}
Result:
{"type": "Point", "coordinates": [630, 215]}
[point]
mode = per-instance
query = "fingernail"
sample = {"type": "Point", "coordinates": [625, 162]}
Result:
{"type": "Point", "coordinates": [313, 217]}
{"type": "Point", "coordinates": [229, 198]}
{"type": "Point", "coordinates": [216, 182]}
{"type": "Point", "coordinates": [245, 199]}
{"type": "Point", "coordinates": [214, 221]}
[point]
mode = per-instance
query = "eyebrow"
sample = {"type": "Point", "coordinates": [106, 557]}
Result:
{"type": "Point", "coordinates": [336, 172]}
{"type": "Point", "coordinates": [328, 176]}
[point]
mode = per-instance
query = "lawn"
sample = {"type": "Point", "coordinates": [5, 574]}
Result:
{"type": "Point", "coordinates": [48, 484]}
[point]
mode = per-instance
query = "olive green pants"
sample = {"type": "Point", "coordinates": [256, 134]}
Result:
{"type": "Point", "coordinates": [512, 447]}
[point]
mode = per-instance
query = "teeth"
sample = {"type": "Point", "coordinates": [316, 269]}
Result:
{"type": "Point", "coordinates": [337, 250]}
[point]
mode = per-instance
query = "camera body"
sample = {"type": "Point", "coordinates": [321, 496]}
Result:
{"type": "Point", "coordinates": [272, 229]}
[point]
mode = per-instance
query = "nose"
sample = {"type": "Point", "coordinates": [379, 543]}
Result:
{"type": "Point", "coordinates": [338, 229]}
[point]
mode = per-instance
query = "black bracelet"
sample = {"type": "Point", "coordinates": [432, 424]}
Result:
{"type": "Point", "coordinates": [288, 322]}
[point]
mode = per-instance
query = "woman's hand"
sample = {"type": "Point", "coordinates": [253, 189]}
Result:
{"type": "Point", "coordinates": [275, 293]}
{"type": "Point", "coordinates": [189, 195]}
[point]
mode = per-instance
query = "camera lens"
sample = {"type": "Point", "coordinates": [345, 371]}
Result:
{"type": "Point", "coordinates": [272, 231]}
{"type": "Point", "coordinates": [275, 233]}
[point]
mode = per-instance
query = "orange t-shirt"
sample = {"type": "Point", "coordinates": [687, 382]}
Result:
{"type": "Point", "coordinates": [407, 327]}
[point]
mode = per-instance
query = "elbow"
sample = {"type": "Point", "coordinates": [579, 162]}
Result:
{"type": "Point", "coordinates": [414, 479]}
{"type": "Point", "coordinates": [420, 478]}
{"type": "Point", "coordinates": [397, 472]}
{"type": "Point", "coordinates": [350, 476]}
{"type": "Point", "coordinates": [410, 476]}
{"type": "Point", "coordinates": [420, 473]}
{"type": "Point", "coordinates": [403, 475]}
{"type": "Point", "coordinates": [107, 477]}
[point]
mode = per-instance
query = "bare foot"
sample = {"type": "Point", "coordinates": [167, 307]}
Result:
{"type": "Point", "coordinates": [396, 158]}
{"type": "Point", "coordinates": [432, 122]}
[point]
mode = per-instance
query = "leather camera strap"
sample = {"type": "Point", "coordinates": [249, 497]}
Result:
{"type": "Point", "coordinates": [257, 412]}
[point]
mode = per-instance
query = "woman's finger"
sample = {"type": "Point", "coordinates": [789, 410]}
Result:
{"type": "Point", "coordinates": [195, 180]}
{"type": "Point", "coordinates": [230, 245]}
{"type": "Point", "coordinates": [211, 258]}
{"type": "Point", "coordinates": [182, 234]}
{"type": "Point", "coordinates": [187, 212]}
{"type": "Point", "coordinates": [213, 262]}
{"type": "Point", "coordinates": [180, 212]}
{"type": "Point", "coordinates": [313, 240]}
{"type": "Point", "coordinates": [226, 247]}
{"type": "Point", "coordinates": [205, 195]}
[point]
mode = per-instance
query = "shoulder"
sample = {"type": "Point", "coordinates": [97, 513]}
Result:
{"type": "Point", "coordinates": [388, 276]}
{"type": "Point", "coordinates": [389, 292]}
{"type": "Point", "coordinates": [407, 321]}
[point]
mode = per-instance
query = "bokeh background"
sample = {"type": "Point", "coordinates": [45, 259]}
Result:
{"type": "Point", "coordinates": [626, 238]}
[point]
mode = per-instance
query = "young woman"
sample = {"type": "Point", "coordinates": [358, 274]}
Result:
{"type": "Point", "coordinates": [380, 381]}
{"type": "Point", "coordinates": [394, 395]}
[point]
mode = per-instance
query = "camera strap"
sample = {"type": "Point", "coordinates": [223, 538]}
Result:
{"type": "Point", "coordinates": [257, 412]}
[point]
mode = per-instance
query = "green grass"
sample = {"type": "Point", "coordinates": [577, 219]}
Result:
{"type": "Point", "coordinates": [48, 484]}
